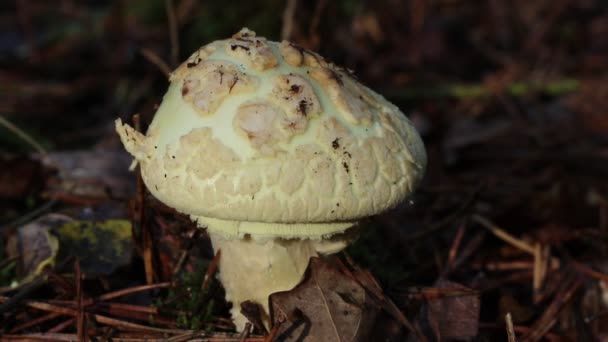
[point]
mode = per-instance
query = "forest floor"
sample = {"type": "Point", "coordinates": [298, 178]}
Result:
{"type": "Point", "coordinates": [506, 239]}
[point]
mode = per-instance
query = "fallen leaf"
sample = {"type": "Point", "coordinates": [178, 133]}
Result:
{"type": "Point", "coordinates": [327, 306]}
{"type": "Point", "coordinates": [454, 317]}
{"type": "Point", "coordinates": [101, 247]}
{"type": "Point", "coordinates": [34, 245]}
{"type": "Point", "coordinates": [253, 312]}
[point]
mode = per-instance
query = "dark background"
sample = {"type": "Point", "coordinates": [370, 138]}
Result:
{"type": "Point", "coordinates": [511, 98]}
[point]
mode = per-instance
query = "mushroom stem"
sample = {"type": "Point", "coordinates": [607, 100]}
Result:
{"type": "Point", "coordinates": [253, 270]}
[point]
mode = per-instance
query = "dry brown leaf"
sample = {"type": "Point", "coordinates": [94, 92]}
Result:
{"type": "Point", "coordinates": [34, 245]}
{"type": "Point", "coordinates": [454, 317]}
{"type": "Point", "coordinates": [327, 306]}
{"type": "Point", "coordinates": [253, 312]}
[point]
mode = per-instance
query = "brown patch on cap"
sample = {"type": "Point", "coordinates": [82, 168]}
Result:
{"type": "Point", "coordinates": [296, 96]}
{"type": "Point", "coordinates": [251, 50]}
{"type": "Point", "coordinates": [354, 101]}
{"type": "Point", "coordinates": [260, 123]}
{"type": "Point", "coordinates": [210, 82]}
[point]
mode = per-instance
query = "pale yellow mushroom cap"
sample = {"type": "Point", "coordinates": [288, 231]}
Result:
{"type": "Point", "coordinates": [265, 132]}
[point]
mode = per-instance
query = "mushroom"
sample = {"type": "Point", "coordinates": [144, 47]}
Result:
{"type": "Point", "coordinates": [278, 153]}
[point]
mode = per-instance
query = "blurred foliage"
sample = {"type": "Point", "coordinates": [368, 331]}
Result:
{"type": "Point", "coordinates": [510, 97]}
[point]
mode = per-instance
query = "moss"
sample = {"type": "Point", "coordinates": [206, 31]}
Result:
{"type": "Point", "coordinates": [100, 246]}
{"type": "Point", "coordinates": [195, 305]}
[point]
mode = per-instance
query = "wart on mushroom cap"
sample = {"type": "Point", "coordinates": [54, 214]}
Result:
{"type": "Point", "coordinates": [268, 125]}
{"type": "Point", "coordinates": [270, 140]}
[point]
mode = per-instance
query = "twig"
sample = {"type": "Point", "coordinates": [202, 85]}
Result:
{"type": "Point", "coordinates": [518, 329]}
{"type": "Point", "coordinates": [541, 264]}
{"type": "Point", "coordinates": [370, 284]}
{"type": "Point", "coordinates": [590, 272]}
{"type": "Point", "coordinates": [44, 306]}
{"type": "Point", "coordinates": [21, 134]}
{"type": "Point", "coordinates": [503, 235]}
{"type": "Point", "coordinates": [245, 332]}
{"type": "Point", "coordinates": [35, 322]}
{"type": "Point", "coordinates": [183, 337]}
{"type": "Point", "coordinates": [48, 336]}
{"type": "Point", "coordinates": [509, 327]}
{"type": "Point", "coordinates": [131, 311]}
{"type": "Point", "coordinates": [504, 265]}
{"type": "Point", "coordinates": [275, 330]}
{"type": "Point", "coordinates": [148, 250]}
{"type": "Point", "coordinates": [314, 23]}
{"type": "Point", "coordinates": [548, 318]}
{"type": "Point", "coordinates": [228, 339]}
{"type": "Point", "coordinates": [471, 246]}
{"type": "Point", "coordinates": [189, 336]}
{"type": "Point", "coordinates": [29, 216]}
{"type": "Point", "coordinates": [211, 269]}
{"type": "Point", "coordinates": [99, 318]}
{"type": "Point", "coordinates": [537, 280]}
{"type": "Point", "coordinates": [131, 290]}
{"type": "Point", "coordinates": [81, 327]}
{"type": "Point", "coordinates": [63, 325]}
{"type": "Point", "coordinates": [10, 303]}
{"type": "Point", "coordinates": [180, 262]}
{"type": "Point", "coordinates": [455, 246]}
{"type": "Point", "coordinates": [156, 60]}
{"type": "Point", "coordinates": [173, 32]}
{"type": "Point", "coordinates": [186, 9]}
{"type": "Point", "coordinates": [146, 234]}
{"type": "Point", "coordinates": [132, 308]}
{"type": "Point", "coordinates": [185, 253]}
{"type": "Point", "coordinates": [433, 293]}
{"type": "Point", "coordinates": [541, 254]}
{"type": "Point", "coordinates": [134, 326]}
{"type": "Point", "coordinates": [80, 200]}
{"type": "Point", "coordinates": [288, 15]}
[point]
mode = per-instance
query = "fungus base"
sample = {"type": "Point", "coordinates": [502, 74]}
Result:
{"type": "Point", "coordinates": [253, 269]}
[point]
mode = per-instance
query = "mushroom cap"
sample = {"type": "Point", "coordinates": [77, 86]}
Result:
{"type": "Point", "coordinates": [260, 131]}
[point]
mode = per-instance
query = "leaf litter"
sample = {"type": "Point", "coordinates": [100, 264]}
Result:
{"type": "Point", "coordinates": [327, 305]}
{"type": "Point", "coordinates": [505, 240]}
